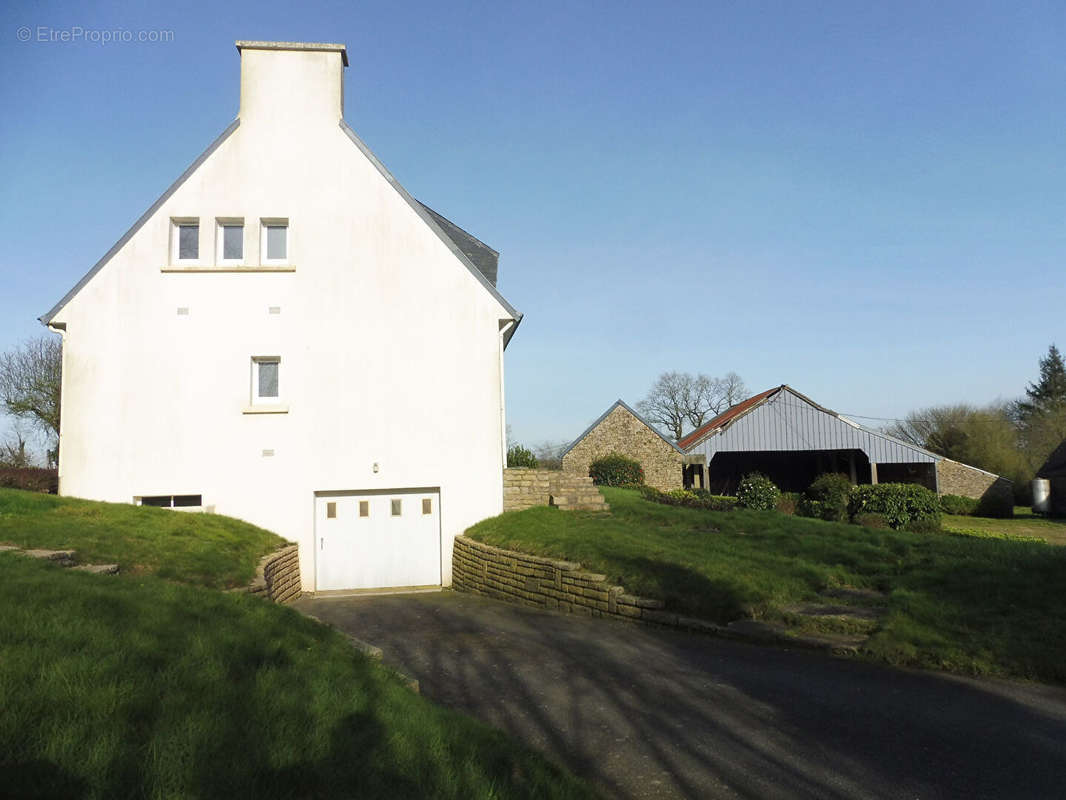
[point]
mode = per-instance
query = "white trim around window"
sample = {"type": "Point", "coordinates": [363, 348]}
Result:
{"type": "Point", "coordinates": [275, 241]}
{"type": "Point", "coordinates": [185, 240]}
{"type": "Point", "coordinates": [229, 241]}
{"type": "Point", "coordinates": [266, 380]}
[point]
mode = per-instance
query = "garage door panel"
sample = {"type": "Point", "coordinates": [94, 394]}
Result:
{"type": "Point", "coordinates": [378, 539]}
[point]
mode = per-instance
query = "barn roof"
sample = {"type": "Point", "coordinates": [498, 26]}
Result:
{"type": "Point", "coordinates": [607, 413]}
{"type": "Point", "coordinates": [727, 416]}
{"type": "Point", "coordinates": [1055, 466]}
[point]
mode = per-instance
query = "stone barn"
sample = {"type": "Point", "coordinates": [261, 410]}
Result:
{"type": "Point", "coordinates": [622, 430]}
{"type": "Point", "coordinates": [1054, 470]}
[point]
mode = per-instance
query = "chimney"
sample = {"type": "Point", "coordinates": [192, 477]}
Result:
{"type": "Point", "coordinates": [285, 82]}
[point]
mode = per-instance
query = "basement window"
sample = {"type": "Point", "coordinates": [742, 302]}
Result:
{"type": "Point", "coordinates": [171, 501]}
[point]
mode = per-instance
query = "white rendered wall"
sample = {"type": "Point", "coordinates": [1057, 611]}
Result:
{"type": "Point", "coordinates": [390, 348]}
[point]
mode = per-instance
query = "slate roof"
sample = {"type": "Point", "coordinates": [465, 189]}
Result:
{"type": "Point", "coordinates": [482, 256]}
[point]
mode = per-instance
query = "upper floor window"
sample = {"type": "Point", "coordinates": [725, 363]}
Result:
{"type": "Point", "coordinates": [275, 241]}
{"type": "Point", "coordinates": [230, 241]}
{"type": "Point", "coordinates": [184, 240]}
{"type": "Point", "coordinates": [265, 374]}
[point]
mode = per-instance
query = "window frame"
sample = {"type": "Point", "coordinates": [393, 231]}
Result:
{"type": "Point", "coordinates": [176, 224]}
{"type": "Point", "coordinates": [221, 223]}
{"type": "Point", "coordinates": [256, 398]}
{"type": "Point", "coordinates": [265, 224]}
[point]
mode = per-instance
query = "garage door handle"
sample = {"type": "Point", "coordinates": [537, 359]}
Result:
{"type": "Point", "coordinates": [321, 542]}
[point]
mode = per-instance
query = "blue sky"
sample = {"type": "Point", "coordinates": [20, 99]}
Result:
{"type": "Point", "coordinates": [864, 202]}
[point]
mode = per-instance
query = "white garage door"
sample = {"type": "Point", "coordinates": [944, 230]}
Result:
{"type": "Point", "coordinates": [377, 540]}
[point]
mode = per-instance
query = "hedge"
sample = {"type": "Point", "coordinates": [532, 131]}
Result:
{"type": "Point", "coordinates": [904, 505]}
{"type": "Point", "coordinates": [32, 479]}
{"type": "Point", "coordinates": [615, 470]}
{"type": "Point", "coordinates": [827, 498]}
{"type": "Point", "coordinates": [699, 498]}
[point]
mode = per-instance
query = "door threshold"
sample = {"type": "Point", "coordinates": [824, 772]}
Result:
{"type": "Point", "coordinates": [327, 594]}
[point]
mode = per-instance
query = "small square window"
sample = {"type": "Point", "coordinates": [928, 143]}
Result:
{"type": "Point", "coordinates": [427, 505]}
{"type": "Point", "coordinates": [364, 508]}
{"type": "Point", "coordinates": [230, 241]}
{"type": "Point", "coordinates": [331, 510]}
{"type": "Point", "coordinates": [266, 380]}
{"type": "Point", "coordinates": [184, 240]}
{"type": "Point", "coordinates": [397, 506]}
{"type": "Point", "coordinates": [274, 244]}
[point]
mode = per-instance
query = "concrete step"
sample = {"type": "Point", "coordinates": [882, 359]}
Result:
{"type": "Point", "coordinates": [98, 569]}
{"type": "Point", "coordinates": [63, 557]}
{"type": "Point", "coordinates": [828, 610]}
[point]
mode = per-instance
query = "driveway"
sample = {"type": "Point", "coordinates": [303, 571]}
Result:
{"type": "Point", "coordinates": [649, 713]}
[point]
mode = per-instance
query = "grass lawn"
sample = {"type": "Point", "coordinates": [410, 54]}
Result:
{"type": "Point", "coordinates": [1025, 524]}
{"type": "Point", "coordinates": [133, 686]}
{"type": "Point", "coordinates": [205, 549]}
{"type": "Point", "coordinates": [975, 605]}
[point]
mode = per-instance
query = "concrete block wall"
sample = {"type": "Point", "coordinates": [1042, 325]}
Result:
{"type": "Point", "coordinates": [278, 575]}
{"type": "Point", "coordinates": [549, 583]}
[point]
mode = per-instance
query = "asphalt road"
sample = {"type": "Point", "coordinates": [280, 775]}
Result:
{"type": "Point", "coordinates": [649, 713]}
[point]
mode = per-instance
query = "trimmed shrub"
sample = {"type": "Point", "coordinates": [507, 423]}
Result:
{"type": "Point", "coordinates": [615, 470]}
{"type": "Point", "coordinates": [827, 498]}
{"type": "Point", "coordinates": [957, 504]}
{"type": "Point", "coordinates": [757, 492]}
{"type": "Point", "coordinates": [518, 456]}
{"type": "Point", "coordinates": [900, 503]}
{"type": "Point", "coordinates": [32, 479]}
{"type": "Point", "coordinates": [923, 525]}
{"type": "Point", "coordinates": [878, 521]}
{"type": "Point", "coordinates": [788, 502]}
{"type": "Point", "coordinates": [689, 499]}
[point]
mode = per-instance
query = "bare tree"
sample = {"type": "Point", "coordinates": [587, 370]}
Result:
{"type": "Point", "coordinates": [677, 398]}
{"type": "Point", "coordinates": [550, 454]}
{"type": "Point", "coordinates": [30, 381]}
{"type": "Point", "coordinates": [13, 451]}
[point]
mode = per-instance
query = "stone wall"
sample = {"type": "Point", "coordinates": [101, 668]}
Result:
{"type": "Point", "coordinates": [278, 575]}
{"type": "Point", "coordinates": [995, 493]}
{"type": "Point", "coordinates": [548, 583]}
{"type": "Point", "coordinates": [622, 432]}
{"type": "Point", "coordinates": [524, 487]}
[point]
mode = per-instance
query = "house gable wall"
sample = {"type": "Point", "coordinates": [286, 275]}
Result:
{"type": "Point", "coordinates": [377, 317]}
{"type": "Point", "coordinates": [621, 432]}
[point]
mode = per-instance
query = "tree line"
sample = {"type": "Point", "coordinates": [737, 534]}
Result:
{"type": "Point", "coordinates": [1012, 438]}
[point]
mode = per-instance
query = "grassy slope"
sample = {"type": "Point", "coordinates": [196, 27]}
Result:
{"type": "Point", "coordinates": [1025, 524]}
{"type": "Point", "coordinates": [135, 686]}
{"type": "Point", "coordinates": [205, 549]}
{"type": "Point", "coordinates": [973, 605]}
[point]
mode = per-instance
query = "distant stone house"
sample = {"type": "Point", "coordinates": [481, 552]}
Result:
{"type": "Point", "coordinates": [622, 430]}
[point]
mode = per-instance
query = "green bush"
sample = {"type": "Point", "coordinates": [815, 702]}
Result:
{"type": "Point", "coordinates": [957, 504]}
{"type": "Point", "coordinates": [878, 521]}
{"type": "Point", "coordinates": [827, 498]}
{"type": "Point", "coordinates": [923, 525]}
{"type": "Point", "coordinates": [615, 470]}
{"type": "Point", "coordinates": [699, 498]}
{"type": "Point", "coordinates": [757, 492]}
{"type": "Point", "coordinates": [900, 503]}
{"type": "Point", "coordinates": [31, 479]}
{"type": "Point", "coordinates": [788, 502]}
{"type": "Point", "coordinates": [518, 456]}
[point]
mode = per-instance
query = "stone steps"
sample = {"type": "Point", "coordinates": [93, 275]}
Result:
{"type": "Point", "coordinates": [63, 558]}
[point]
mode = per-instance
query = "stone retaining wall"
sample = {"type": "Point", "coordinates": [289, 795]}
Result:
{"type": "Point", "coordinates": [278, 575]}
{"type": "Point", "coordinates": [548, 583]}
{"type": "Point", "coordinates": [524, 487]}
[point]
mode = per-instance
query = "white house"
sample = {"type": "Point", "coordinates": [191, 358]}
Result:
{"type": "Point", "coordinates": [288, 337]}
